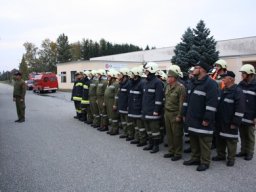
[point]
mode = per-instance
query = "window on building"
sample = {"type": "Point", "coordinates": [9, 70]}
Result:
{"type": "Point", "coordinates": [72, 74]}
{"type": "Point", "coordinates": [250, 62]}
{"type": "Point", "coordinates": [63, 77]}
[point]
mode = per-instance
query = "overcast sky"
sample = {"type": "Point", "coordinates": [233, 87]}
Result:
{"type": "Point", "coordinates": [158, 23]}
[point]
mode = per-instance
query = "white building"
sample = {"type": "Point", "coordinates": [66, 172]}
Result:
{"type": "Point", "coordinates": [235, 51]}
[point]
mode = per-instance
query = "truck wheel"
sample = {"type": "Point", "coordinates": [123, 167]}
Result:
{"type": "Point", "coordinates": [53, 91]}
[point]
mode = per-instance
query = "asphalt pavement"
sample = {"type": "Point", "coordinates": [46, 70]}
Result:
{"type": "Point", "coordinates": [52, 151]}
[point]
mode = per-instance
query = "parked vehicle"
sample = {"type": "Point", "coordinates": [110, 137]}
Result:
{"type": "Point", "coordinates": [45, 82]}
{"type": "Point", "coordinates": [30, 84]}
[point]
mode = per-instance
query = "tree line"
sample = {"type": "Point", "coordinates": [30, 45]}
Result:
{"type": "Point", "coordinates": [196, 44]}
{"type": "Point", "coordinates": [61, 51]}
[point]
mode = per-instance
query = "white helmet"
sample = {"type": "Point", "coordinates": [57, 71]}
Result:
{"type": "Point", "coordinates": [86, 72]}
{"type": "Point", "coordinates": [176, 69]}
{"type": "Point", "coordinates": [248, 68]}
{"type": "Point", "coordinates": [164, 76]}
{"type": "Point", "coordinates": [93, 72]}
{"type": "Point", "coordinates": [161, 74]}
{"type": "Point", "coordinates": [137, 71]}
{"type": "Point", "coordinates": [125, 71]}
{"type": "Point", "coordinates": [152, 67]}
{"type": "Point", "coordinates": [102, 72]}
{"type": "Point", "coordinates": [222, 63]}
{"type": "Point", "coordinates": [113, 73]}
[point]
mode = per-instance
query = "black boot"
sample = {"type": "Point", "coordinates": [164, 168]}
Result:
{"type": "Point", "coordinates": [150, 145]}
{"type": "Point", "coordinates": [155, 146]}
{"type": "Point", "coordinates": [105, 128]}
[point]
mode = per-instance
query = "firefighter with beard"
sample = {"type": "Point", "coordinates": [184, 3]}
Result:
{"type": "Point", "coordinates": [200, 116]}
{"type": "Point", "coordinates": [138, 131]}
{"type": "Point", "coordinates": [152, 106]}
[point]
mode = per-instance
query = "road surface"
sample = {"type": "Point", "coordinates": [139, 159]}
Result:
{"type": "Point", "coordinates": [52, 151]}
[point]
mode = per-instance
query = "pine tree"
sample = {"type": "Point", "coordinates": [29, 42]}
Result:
{"type": "Point", "coordinates": [147, 47]}
{"type": "Point", "coordinates": [196, 45]}
{"type": "Point", "coordinates": [23, 68]}
{"type": "Point", "coordinates": [85, 49]}
{"type": "Point", "coordinates": [63, 49]}
{"type": "Point", "coordinates": [204, 44]}
{"type": "Point", "coordinates": [183, 56]}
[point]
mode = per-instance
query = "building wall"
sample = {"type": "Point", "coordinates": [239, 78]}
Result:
{"type": "Point", "coordinates": [88, 65]}
{"type": "Point", "coordinates": [235, 63]}
{"type": "Point", "coordinates": [235, 51]}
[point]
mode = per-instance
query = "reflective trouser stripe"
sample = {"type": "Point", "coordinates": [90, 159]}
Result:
{"type": "Point", "coordinates": [156, 134]}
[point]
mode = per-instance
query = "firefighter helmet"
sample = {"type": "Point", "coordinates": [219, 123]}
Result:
{"type": "Point", "coordinates": [176, 70]}
{"type": "Point", "coordinates": [102, 72]}
{"type": "Point", "coordinates": [248, 68]}
{"type": "Point", "coordinates": [222, 63]}
{"type": "Point", "coordinates": [152, 67]}
{"type": "Point", "coordinates": [125, 71]}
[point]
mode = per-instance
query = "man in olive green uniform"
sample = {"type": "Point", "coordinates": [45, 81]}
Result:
{"type": "Point", "coordinates": [19, 92]}
{"type": "Point", "coordinates": [93, 98]}
{"type": "Point", "coordinates": [109, 100]}
{"type": "Point", "coordinates": [102, 84]}
{"type": "Point", "coordinates": [174, 97]}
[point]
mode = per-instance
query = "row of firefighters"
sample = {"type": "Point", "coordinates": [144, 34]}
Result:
{"type": "Point", "coordinates": [145, 103]}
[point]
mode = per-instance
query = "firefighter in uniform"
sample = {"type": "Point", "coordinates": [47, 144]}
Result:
{"type": "Point", "coordinates": [247, 128]}
{"type": "Point", "coordinates": [200, 115]}
{"type": "Point", "coordinates": [109, 100]}
{"type": "Point", "coordinates": [163, 77]}
{"type": "Point", "coordinates": [220, 69]}
{"type": "Point", "coordinates": [228, 118]}
{"type": "Point", "coordinates": [85, 103]}
{"type": "Point", "coordinates": [121, 102]}
{"type": "Point", "coordinates": [174, 98]}
{"type": "Point", "coordinates": [138, 131]}
{"type": "Point", "coordinates": [93, 98]}
{"type": "Point", "coordinates": [188, 88]}
{"type": "Point", "coordinates": [77, 92]}
{"type": "Point", "coordinates": [89, 111]}
{"type": "Point", "coordinates": [102, 84]}
{"type": "Point", "coordinates": [152, 106]}
{"type": "Point", "coordinates": [19, 92]}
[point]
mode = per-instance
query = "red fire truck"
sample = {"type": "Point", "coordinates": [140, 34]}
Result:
{"type": "Point", "coordinates": [45, 82]}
